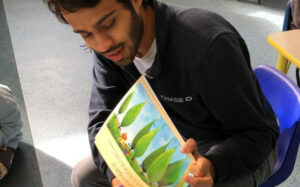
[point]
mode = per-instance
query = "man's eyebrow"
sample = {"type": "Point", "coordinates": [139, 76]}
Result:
{"type": "Point", "coordinates": [98, 22]}
{"type": "Point", "coordinates": [104, 18]}
{"type": "Point", "coordinates": [79, 31]}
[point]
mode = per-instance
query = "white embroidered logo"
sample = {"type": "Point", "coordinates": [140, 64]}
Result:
{"type": "Point", "coordinates": [177, 99]}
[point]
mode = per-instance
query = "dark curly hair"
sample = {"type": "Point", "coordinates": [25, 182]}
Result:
{"type": "Point", "coordinates": [56, 6]}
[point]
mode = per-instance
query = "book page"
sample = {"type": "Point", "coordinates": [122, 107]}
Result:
{"type": "Point", "coordinates": [115, 158]}
{"type": "Point", "coordinates": [139, 142]}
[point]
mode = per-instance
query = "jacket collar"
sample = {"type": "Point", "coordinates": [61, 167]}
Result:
{"type": "Point", "coordinates": [162, 21]}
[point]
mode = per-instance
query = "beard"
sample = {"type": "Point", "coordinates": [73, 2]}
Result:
{"type": "Point", "coordinates": [135, 35]}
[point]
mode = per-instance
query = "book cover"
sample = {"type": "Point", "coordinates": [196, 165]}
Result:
{"type": "Point", "coordinates": [139, 142]}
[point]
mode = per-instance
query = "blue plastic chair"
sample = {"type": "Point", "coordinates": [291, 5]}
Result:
{"type": "Point", "coordinates": [284, 97]}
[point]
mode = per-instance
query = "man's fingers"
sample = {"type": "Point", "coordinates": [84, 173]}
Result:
{"type": "Point", "coordinates": [199, 181]}
{"type": "Point", "coordinates": [190, 146]}
{"type": "Point", "coordinates": [194, 169]}
{"type": "Point", "coordinates": [116, 183]}
{"type": "Point", "coordinates": [206, 166]}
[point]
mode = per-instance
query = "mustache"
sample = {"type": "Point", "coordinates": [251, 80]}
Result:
{"type": "Point", "coordinates": [113, 48]}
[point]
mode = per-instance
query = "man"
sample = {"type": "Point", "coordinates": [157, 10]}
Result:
{"type": "Point", "coordinates": [10, 129]}
{"type": "Point", "coordinates": [191, 54]}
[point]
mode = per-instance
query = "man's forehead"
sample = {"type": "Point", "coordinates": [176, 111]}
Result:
{"type": "Point", "coordinates": [85, 10]}
{"type": "Point", "coordinates": [92, 15]}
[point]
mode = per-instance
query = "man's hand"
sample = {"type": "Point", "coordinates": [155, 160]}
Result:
{"type": "Point", "coordinates": [203, 170]}
{"type": "Point", "coordinates": [116, 183]}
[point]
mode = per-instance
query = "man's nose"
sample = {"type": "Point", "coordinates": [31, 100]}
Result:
{"type": "Point", "coordinates": [103, 42]}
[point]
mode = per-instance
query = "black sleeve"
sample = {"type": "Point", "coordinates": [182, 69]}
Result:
{"type": "Point", "coordinates": [107, 90]}
{"type": "Point", "coordinates": [231, 93]}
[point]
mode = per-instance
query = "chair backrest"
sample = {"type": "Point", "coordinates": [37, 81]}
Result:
{"type": "Point", "coordinates": [284, 97]}
{"type": "Point", "coordinates": [282, 94]}
{"type": "Point", "coordinates": [287, 17]}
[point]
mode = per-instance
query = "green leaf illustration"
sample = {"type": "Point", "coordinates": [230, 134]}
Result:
{"type": "Point", "coordinates": [144, 142]}
{"type": "Point", "coordinates": [126, 102]}
{"type": "Point", "coordinates": [172, 173]}
{"type": "Point", "coordinates": [113, 126]}
{"type": "Point", "coordinates": [141, 133]}
{"type": "Point", "coordinates": [132, 114]}
{"type": "Point", "coordinates": [159, 166]}
{"type": "Point", "coordinates": [152, 156]}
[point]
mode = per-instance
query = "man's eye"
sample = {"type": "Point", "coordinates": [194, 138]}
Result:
{"type": "Point", "coordinates": [86, 35]}
{"type": "Point", "coordinates": [109, 24]}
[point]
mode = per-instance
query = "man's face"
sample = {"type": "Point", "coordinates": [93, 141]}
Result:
{"type": "Point", "coordinates": [110, 29]}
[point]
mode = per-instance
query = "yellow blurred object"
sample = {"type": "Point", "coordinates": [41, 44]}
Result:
{"type": "Point", "coordinates": [287, 43]}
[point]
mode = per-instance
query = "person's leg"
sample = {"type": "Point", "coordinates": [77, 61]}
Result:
{"type": "Point", "coordinates": [6, 157]}
{"type": "Point", "coordinates": [86, 174]}
{"type": "Point", "coordinates": [10, 128]}
{"type": "Point", "coordinates": [252, 180]}
{"type": "Point", "coordinates": [10, 119]}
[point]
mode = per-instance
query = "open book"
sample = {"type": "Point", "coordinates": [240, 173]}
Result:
{"type": "Point", "coordinates": [139, 142]}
